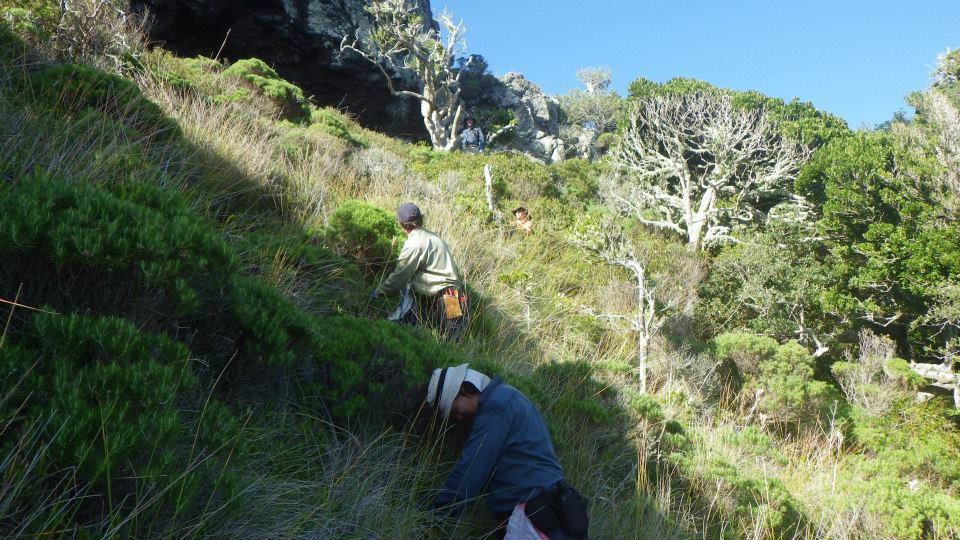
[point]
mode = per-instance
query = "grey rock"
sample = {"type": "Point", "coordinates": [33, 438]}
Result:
{"type": "Point", "coordinates": [537, 131]}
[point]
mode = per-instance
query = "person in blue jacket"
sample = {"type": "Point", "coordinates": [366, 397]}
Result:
{"type": "Point", "coordinates": [508, 455]}
{"type": "Point", "coordinates": [471, 138]}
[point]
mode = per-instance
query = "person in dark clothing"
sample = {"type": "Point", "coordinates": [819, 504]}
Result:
{"type": "Point", "coordinates": [508, 455]}
{"type": "Point", "coordinates": [471, 138]}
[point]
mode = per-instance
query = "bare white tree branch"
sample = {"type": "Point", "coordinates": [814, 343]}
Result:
{"type": "Point", "coordinates": [401, 41]}
{"type": "Point", "coordinates": [695, 164]}
{"type": "Point", "coordinates": [611, 245]}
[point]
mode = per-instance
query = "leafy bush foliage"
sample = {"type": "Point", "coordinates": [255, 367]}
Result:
{"type": "Point", "coordinates": [581, 394]}
{"type": "Point", "coordinates": [915, 442]}
{"type": "Point", "coordinates": [889, 254]}
{"type": "Point", "coordinates": [781, 377]}
{"type": "Point", "coordinates": [364, 233]}
{"type": "Point", "coordinates": [874, 380]}
{"type": "Point", "coordinates": [797, 120]}
{"type": "Point", "coordinates": [126, 227]}
{"type": "Point", "coordinates": [332, 123]}
{"type": "Point", "coordinates": [288, 96]}
{"type": "Point", "coordinates": [745, 351]}
{"type": "Point", "coordinates": [185, 74]}
{"type": "Point", "coordinates": [790, 393]}
{"type": "Point", "coordinates": [42, 12]}
{"type": "Point", "coordinates": [21, 22]}
{"type": "Point", "coordinates": [576, 180]}
{"type": "Point", "coordinates": [757, 501]}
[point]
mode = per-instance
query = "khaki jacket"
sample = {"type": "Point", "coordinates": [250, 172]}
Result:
{"type": "Point", "coordinates": [426, 263]}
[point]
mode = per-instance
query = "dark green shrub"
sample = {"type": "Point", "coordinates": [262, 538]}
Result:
{"type": "Point", "coordinates": [45, 13]}
{"type": "Point", "coordinates": [289, 97]}
{"type": "Point", "coordinates": [103, 390]}
{"type": "Point", "coordinates": [73, 89]}
{"type": "Point", "coordinates": [915, 440]}
{"type": "Point", "coordinates": [743, 350]}
{"type": "Point", "coordinates": [364, 233]}
{"type": "Point", "coordinates": [757, 499]}
{"type": "Point", "coordinates": [757, 443]}
{"type": "Point", "coordinates": [576, 392]}
{"type": "Point", "coordinates": [22, 22]}
{"type": "Point", "coordinates": [293, 260]}
{"type": "Point", "coordinates": [375, 366]}
{"type": "Point", "coordinates": [126, 226]}
{"type": "Point", "coordinates": [606, 141]}
{"type": "Point", "coordinates": [779, 377]}
{"type": "Point", "coordinates": [272, 326]}
{"type": "Point", "coordinates": [186, 74]}
{"type": "Point", "coordinates": [646, 407]}
{"type": "Point", "coordinates": [790, 393]}
{"type": "Point", "coordinates": [907, 512]}
{"type": "Point", "coordinates": [900, 373]}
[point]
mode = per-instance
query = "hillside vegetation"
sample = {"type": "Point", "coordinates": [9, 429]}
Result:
{"type": "Point", "coordinates": [189, 350]}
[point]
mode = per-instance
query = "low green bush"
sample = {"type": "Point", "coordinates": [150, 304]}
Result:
{"type": "Point", "coordinates": [292, 260]}
{"type": "Point", "coordinates": [41, 12]}
{"type": "Point", "coordinates": [129, 227]}
{"type": "Point", "coordinates": [899, 371]}
{"type": "Point", "coordinates": [779, 377]}
{"type": "Point", "coordinates": [756, 443]}
{"type": "Point", "coordinates": [790, 394]}
{"type": "Point", "coordinates": [743, 350]}
{"type": "Point", "coordinates": [75, 89]}
{"type": "Point", "coordinates": [376, 366]}
{"type": "Point", "coordinates": [915, 440]}
{"type": "Point", "coordinates": [906, 512]}
{"type": "Point", "coordinates": [364, 233]}
{"type": "Point", "coordinates": [185, 74]}
{"type": "Point", "coordinates": [104, 391]}
{"type": "Point", "coordinates": [22, 22]}
{"type": "Point", "coordinates": [757, 501]}
{"type": "Point", "coordinates": [288, 96]}
{"type": "Point", "coordinates": [578, 392]}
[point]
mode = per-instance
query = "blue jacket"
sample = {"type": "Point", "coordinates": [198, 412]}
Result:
{"type": "Point", "coordinates": [509, 446]}
{"type": "Point", "coordinates": [472, 137]}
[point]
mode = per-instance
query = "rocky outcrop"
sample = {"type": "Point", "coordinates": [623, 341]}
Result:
{"type": "Point", "coordinates": [298, 38]}
{"type": "Point", "coordinates": [537, 130]}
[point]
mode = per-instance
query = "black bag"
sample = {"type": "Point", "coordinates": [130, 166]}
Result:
{"type": "Point", "coordinates": [572, 511]}
{"type": "Point", "coordinates": [541, 510]}
{"type": "Point", "coordinates": [559, 506]}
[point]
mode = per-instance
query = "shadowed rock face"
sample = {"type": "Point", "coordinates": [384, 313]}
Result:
{"type": "Point", "coordinates": [301, 40]}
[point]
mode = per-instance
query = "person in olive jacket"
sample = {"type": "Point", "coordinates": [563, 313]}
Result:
{"type": "Point", "coordinates": [427, 267]}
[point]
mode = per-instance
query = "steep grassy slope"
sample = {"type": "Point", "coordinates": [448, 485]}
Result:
{"type": "Point", "coordinates": [190, 350]}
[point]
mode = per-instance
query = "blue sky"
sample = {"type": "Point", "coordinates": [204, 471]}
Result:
{"type": "Point", "coordinates": [856, 59]}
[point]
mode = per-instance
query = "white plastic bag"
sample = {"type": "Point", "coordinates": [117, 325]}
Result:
{"type": "Point", "coordinates": [519, 526]}
{"type": "Point", "coordinates": [405, 305]}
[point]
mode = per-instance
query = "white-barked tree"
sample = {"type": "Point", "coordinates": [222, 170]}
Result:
{"type": "Point", "coordinates": [696, 165]}
{"type": "Point", "coordinates": [400, 41]}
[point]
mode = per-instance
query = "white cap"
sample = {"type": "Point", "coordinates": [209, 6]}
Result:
{"type": "Point", "coordinates": [446, 382]}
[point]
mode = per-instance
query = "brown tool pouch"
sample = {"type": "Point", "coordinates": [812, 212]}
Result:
{"type": "Point", "coordinates": [451, 304]}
